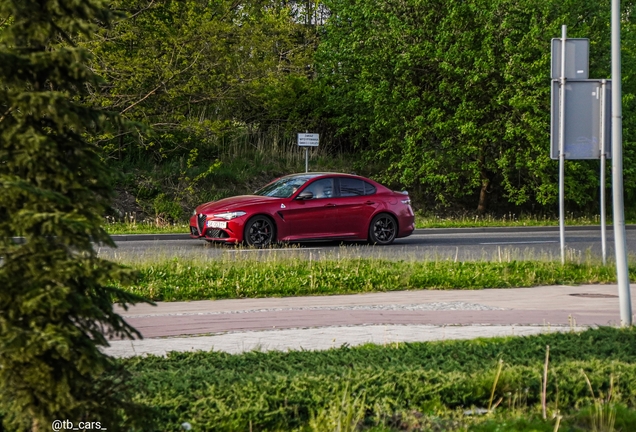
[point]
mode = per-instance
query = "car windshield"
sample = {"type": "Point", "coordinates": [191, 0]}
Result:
{"type": "Point", "coordinates": [283, 187]}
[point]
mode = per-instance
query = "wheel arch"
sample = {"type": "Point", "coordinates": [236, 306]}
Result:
{"type": "Point", "coordinates": [383, 211]}
{"type": "Point", "coordinates": [266, 215]}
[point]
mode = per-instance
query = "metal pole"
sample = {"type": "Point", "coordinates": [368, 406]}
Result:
{"type": "Point", "coordinates": [306, 159]}
{"type": "Point", "coordinates": [617, 171]}
{"type": "Point", "coordinates": [562, 146]}
{"type": "Point", "coordinates": [603, 157]}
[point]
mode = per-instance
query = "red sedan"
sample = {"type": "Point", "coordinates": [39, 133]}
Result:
{"type": "Point", "coordinates": [310, 206]}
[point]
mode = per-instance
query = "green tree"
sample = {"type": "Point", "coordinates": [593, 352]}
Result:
{"type": "Point", "coordinates": [55, 293]}
{"type": "Point", "coordinates": [194, 70]}
{"type": "Point", "coordinates": [452, 97]}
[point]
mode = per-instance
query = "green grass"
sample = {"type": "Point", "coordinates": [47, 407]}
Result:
{"type": "Point", "coordinates": [415, 386]}
{"type": "Point", "coordinates": [468, 220]}
{"type": "Point", "coordinates": [145, 227]}
{"type": "Point", "coordinates": [181, 279]}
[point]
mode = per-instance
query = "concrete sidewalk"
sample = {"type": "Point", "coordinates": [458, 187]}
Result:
{"type": "Point", "coordinates": [322, 322]}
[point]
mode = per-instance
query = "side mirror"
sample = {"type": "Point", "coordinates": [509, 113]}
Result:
{"type": "Point", "coordinates": [305, 195]}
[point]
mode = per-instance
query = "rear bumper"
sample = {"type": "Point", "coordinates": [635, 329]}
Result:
{"type": "Point", "coordinates": [406, 222]}
{"type": "Point", "coordinates": [406, 230]}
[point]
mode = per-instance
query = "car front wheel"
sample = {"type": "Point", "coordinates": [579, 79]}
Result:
{"type": "Point", "coordinates": [259, 232]}
{"type": "Point", "coordinates": [383, 229]}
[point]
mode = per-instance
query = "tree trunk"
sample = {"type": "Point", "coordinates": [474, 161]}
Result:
{"type": "Point", "coordinates": [485, 182]}
{"type": "Point", "coordinates": [481, 207]}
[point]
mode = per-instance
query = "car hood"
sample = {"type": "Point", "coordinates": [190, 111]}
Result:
{"type": "Point", "coordinates": [234, 203]}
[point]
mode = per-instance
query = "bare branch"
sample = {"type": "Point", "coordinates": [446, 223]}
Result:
{"type": "Point", "coordinates": [6, 113]}
{"type": "Point", "coordinates": [142, 10]}
{"type": "Point", "coordinates": [138, 12]}
{"type": "Point", "coordinates": [143, 98]}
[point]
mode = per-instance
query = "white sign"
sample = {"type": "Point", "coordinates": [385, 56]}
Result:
{"type": "Point", "coordinates": [307, 140]}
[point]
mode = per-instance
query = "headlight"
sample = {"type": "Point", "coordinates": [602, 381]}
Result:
{"type": "Point", "coordinates": [230, 215]}
{"type": "Point", "coordinates": [194, 212]}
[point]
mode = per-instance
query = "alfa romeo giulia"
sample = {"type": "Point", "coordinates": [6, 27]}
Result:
{"type": "Point", "coordinates": [309, 206]}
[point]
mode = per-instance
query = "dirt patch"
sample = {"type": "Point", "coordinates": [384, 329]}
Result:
{"type": "Point", "coordinates": [125, 206]}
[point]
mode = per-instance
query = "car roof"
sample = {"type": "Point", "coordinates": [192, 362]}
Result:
{"type": "Point", "coordinates": [319, 174]}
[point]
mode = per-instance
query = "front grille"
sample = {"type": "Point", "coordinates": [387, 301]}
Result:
{"type": "Point", "coordinates": [216, 233]}
{"type": "Point", "coordinates": [201, 222]}
{"type": "Point", "coordinates": [194, 231]}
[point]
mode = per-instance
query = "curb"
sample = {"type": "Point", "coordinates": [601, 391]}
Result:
{"type": "Point", "coordinates": [149, 237]}
{"type": "Point", "coordinates": [131, 237]}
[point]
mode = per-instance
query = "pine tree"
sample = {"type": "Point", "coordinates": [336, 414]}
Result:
{"type": "Point", "coordinates": [56, 295]}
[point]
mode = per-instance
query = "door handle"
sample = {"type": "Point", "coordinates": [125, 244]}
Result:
{"type": "Point", "coordinates": [330, 205]}
{"type": "Point", "coordinates": [369, 203]}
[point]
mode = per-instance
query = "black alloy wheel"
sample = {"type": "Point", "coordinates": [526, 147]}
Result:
{"type": "Point", "coordinates": [383, 229]}
{"type": "Point", "coordinates": [259, 232]}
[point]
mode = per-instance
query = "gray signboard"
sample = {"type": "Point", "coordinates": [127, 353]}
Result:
{"type": "Point", "coordinates": [582, 120]}
{"type": "Point", "coordinates": [577, 53]}
{"type": "Point", "coordinates": [308, 140]}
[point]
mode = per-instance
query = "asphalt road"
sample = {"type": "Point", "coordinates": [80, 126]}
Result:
{"type": "Point", "coordinates": [459, 244]}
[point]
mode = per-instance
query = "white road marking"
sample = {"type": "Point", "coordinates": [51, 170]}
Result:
{"type": "Point", "coordinates": [521, 242]}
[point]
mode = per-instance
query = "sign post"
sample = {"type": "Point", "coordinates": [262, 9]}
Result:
{"type": "Point", "coordinates": [307, 140]}
{"type": "Point", "coordinates": [583, 128]}
{"type": "Point", "coordinates": [580, 108]}
{"type": "Point", "coordinates": [570, 59]}
{"type": "Point", "coordinates": [562, 145]}
{"type": "Point", "coordinates": [602, 149]}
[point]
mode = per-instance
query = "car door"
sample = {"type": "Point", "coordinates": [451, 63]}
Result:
{"type": "Point", "coordinates": [356, 205]}
{"type": "Point", "coordinates": [312, 218]}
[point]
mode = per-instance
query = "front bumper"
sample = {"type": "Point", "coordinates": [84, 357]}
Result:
{"type": "Point", "coordinates": [233, 233]}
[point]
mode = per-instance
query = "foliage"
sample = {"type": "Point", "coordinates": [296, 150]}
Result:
{"type": "Point", "coordinates": [452, 98]}
{"type": "Point", "coordinates": [447, 99]}
{"type": "Point", "coordinates": [202, 81]}
{"type": "Point", "coordinates": [56, 296]}
{"type": "Point", "coordinates": [192, 279]}
{"type": "Point", "coordinates": [283, 391]}
{"type": "Point", "coordinates": [195, 72]}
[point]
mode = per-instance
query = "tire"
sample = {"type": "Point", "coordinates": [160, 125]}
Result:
{"type": "Point", "coordinates": [259, 232]}
{"type": "Point", "coordinates": [383, 229]}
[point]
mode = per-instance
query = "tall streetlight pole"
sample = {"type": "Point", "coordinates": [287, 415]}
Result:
{"type": "Point", "coordinates": [622, 275]}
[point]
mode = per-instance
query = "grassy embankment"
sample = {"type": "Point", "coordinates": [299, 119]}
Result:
{"type": "Point", "coordinates": [402, 387]}
{"type": "Point", "coordinates": [167, 192]}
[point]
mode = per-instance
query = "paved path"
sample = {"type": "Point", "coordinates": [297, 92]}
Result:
{"type": "Point", "coordinates": [328, 321]}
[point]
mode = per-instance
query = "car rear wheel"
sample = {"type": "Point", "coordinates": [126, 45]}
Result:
{"type": "Point", "coordinates": [259, 232]}
{"type": "Point", "coordinates": [383, 229]}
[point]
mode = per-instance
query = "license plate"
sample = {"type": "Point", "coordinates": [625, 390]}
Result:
{"type": "Point", "coordinates": [217, 224]}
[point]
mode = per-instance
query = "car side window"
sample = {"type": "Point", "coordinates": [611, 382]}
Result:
{"type": "Point", "coordinates": [351, 187]}
{"type": "Point", "coordinates": [369, 189]}
{"type": "Point", "coordinates": [322, 188]}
